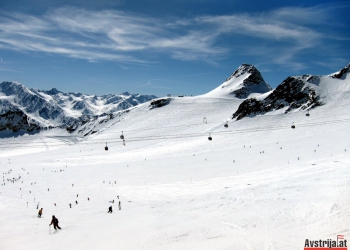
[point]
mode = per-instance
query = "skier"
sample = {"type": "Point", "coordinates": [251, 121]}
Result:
{"type": "Point", "coordinates": [119, 205]}
{"type": "Point", "coordinates": [40, 212]}
{"type": "Point", "coordinates": [110, 209]}
{"type": "Point", "coordinates": [70, 205]}
{"type": "Point", "coordinates": [54, 221]}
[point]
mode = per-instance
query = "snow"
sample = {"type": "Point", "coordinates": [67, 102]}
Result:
{"type": "Point", "coordinates": [328, 86]}
{"type": "Point", "coordinates": [47, 97]}
{"type": "Point", "coordinates": [225, 90]}
{"type": "Point", "coordinates": [245, 189]}
{"type": "Point", "coordinates": [4, 97]}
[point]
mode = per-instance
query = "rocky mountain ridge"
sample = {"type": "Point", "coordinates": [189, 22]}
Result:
{"type": "Point", "coordinates": [294, 93]}
{"type": "Point", "coordinates": [253, 83]}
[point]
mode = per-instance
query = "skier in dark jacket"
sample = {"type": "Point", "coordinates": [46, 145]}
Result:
{"type": "Point", "coordinates": [54, 221]}
{"type": "Point", "coordinates": [110, 209]}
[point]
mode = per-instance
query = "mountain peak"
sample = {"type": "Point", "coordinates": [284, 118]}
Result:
{"type": "Point", "coordinates": [14, 88]}
{"type": "Point", "coordinates": [126, 93]}
{"type": "Point", "coordinates": [244, 68]}
{"type": "Point", "coordinates": [53, 91]}
{"type": "Point", "coordinates": [244, 81]}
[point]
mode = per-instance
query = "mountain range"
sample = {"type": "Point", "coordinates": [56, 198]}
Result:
{"type": "Point", "coordinates": [32, 110]}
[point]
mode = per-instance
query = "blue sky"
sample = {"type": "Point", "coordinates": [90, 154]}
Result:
{"type": "Point", "coordinates": [160, 47]}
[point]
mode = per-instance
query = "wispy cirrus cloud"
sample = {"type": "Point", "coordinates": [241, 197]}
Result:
{"type": "Point", "coordinates": [102, 35]}
{"type": "Point", "coordinates": [124, 37]}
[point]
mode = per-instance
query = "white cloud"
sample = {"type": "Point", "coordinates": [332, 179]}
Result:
{"type": "Point", "coordinates": [128, 38]}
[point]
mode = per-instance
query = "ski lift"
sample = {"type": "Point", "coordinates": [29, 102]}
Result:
{"type": "Point", "coordinates": [122, 136]}
{"type": "Point", "coordinates": [293, 126]}
{"type": "Point", "coordinates": [209, 137]}
{"type": "Point", "coordinates": [204, 120]}
{"type": "Point", "coordinates": [226, 125]}
{"type": "Point", "coordinates": [106, 148]}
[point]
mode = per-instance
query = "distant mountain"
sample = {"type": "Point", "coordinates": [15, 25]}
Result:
{"type": "Point", "coordinates": [246, 80]}
{"type": "Point", "coordinates": [295, 93]}
{"type": "Point", "coordinates": [30, 109]}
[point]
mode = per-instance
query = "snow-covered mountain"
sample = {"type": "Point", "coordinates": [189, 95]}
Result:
{"type": "Point", "coordinates": [296, 93]}
{"type": "Point", "coordinates": [30, 109]}
{"type": "Point", "coordinates": [246, 80]}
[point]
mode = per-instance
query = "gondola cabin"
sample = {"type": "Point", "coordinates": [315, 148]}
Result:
{"type": "Point", "coordinates": [210, 138]}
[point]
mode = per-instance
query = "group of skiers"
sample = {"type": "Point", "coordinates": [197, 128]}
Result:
{"type": "Point", "coordinates": [54, 220]}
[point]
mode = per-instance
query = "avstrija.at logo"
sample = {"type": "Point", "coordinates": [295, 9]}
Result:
{"type": "Point", "coordinates": [339, 244]}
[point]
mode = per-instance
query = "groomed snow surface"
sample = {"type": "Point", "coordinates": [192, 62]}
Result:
{"type": "Point", "coordinates": [257, 185]}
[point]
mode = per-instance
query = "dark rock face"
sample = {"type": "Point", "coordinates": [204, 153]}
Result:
{"type": "Point", "coordinates": [254, 83]}
{"type": "Point", "coordinates": [159, 103]}
{"type": "Point", "coordinates": [16, 121]}
{"type": "Point", "coordinates": [292, 93]}
{"type": "Point", "coordinates": [49, 112]}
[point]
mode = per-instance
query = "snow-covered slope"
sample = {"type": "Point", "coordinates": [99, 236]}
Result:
{"type": "Point", "coordinates": [53, 108]}
{"type": "Point", "coordinates": [296, 93]}
{"type": "Point", "coordinates": [246, 80]}
{"type": "Point", "coordinates": [258, 184]}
